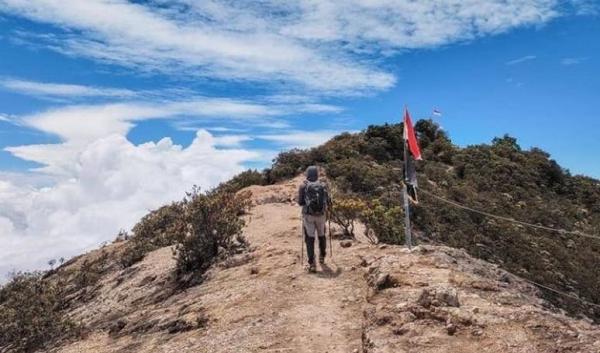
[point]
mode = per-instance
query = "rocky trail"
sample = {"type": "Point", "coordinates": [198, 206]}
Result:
{"type": "Point", "coordinates": [367, 298]}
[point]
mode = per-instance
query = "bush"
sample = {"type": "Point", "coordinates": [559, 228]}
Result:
{"type": "Point", "coordinates": [244, 179]}
{"type": "Point", "coordinates": [163, 227]}
{"type": "Point", "coordinates": [31, 316]}
{"type": "Point", "coordinates": [386, 224]}
{"type": "Point", "coordinates": [345, 211]}
{"type": "Point", "coordinates": [215, 231]}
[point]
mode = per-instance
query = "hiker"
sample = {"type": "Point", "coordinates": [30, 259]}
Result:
{"type": "Point", "coordinates": [313, 196]}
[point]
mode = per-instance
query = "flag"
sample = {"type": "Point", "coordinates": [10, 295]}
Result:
{"type": "Point", "coordinates": [437, 112]}
{"type": "Point", "coordinates": [410, 178]}
{"type": "Point", "coordinates": [410, 137]}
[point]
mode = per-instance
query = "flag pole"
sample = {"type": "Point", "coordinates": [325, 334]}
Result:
{"type": "Point", "coordinates": [407, 234]}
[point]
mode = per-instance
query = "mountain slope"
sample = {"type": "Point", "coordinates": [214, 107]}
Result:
{"type": "Point", "coordinates": [367, 299]}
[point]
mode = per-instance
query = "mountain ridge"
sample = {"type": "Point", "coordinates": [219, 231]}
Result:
{"type": "Point", "coordinates": [369, 298]}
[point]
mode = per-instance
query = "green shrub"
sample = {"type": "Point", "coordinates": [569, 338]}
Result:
{"type": "Point", "coordinates": [244, 179]}
{"type": "Point", "coordinates": [162, 227]}
{"type": "Point", "coordinates": [345, 211]}
{"type": "Point", "coordinates": [31, 316]}
{"type": "Point", "coordinates": [215, 231]}
{"type": "Point", "coordinates": [386, 224]}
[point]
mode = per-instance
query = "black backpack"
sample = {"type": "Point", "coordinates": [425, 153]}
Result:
{"type": "Point", "coordinates": [315, 198]}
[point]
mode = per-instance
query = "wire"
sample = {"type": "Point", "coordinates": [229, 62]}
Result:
{"type": "Point", "coordinates": [507, 219]}
{"type": "Point", "coordinates": [456, 204]}
{"type": "Point", "coordinates": [556, 291]}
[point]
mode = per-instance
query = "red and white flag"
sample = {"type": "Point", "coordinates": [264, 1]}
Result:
{"type": "Point", "coordinates": [410, 137]}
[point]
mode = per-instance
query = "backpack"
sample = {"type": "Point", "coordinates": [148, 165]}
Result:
{"type": "Point", "coordinates": [315, 198]}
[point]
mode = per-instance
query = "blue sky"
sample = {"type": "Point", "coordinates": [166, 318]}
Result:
{"type": "Point", "coordinates": [111, 108]}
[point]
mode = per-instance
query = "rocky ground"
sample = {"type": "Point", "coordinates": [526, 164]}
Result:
{"type": "Point", "coordinates": [366, 298]}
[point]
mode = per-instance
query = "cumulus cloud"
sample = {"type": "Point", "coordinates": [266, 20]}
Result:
{"type": "Point", "coordinates": [112, 185]}
{"type": "Point", "coordinates": [322, 45]}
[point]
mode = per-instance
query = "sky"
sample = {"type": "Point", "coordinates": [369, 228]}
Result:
{"type": "Point", "coordinates": [112, 108]}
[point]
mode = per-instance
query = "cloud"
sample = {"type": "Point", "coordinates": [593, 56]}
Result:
{"type": "Point", "coordinates": [521, 60]}
{"type": "Point", "coordinates": [299, 139]}
{"type": "Point", "coordinates": [83, 123]}
{"type": "Point", "coordinates": [46, 89]}
{"type": "Point", "coordinates": [572, 61]}
{"type": "Point", "coordinates": [324, 46]}
{"type": "Point", "coordinates": [5, 117]}
{"type": "Point", "coordinates": [113, 184]}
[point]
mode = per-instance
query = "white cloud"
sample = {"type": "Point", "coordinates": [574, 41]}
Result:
{"type": "Point", "coordinates": [326, 46]}
{"type": "Point", "coordinates": [47, 89]}
{"type": "Point", "coordinates": [83, 123]}
{"type": "Point", "coordinates": [521, 60]}
{"type": "Point", "coordinates": [112, 185]}
{"type": "Point", "coordinates": [6, 117]}
{"type": "Point", "coordinates": [572, 61]}
{"type": "Point", "coordinates": [231, 140]}
{"type": "Point", "coordinates": [299, 139]}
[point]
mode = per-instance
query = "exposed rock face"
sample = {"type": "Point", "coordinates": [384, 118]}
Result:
{"type": "Point", "coordinates": [366, 298]}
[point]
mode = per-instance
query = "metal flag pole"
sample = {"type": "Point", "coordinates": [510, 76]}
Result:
{"type": "Point", "coordinates": [407, 233]}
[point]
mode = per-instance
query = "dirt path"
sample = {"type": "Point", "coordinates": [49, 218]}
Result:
{"type": "Point", "coordinates": [319, 312]}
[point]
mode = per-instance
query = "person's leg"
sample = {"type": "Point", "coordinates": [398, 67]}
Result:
{"type": "Point", "coordinates": [320, 223]}
{"type": "Point", "coordinates": [309, 238]}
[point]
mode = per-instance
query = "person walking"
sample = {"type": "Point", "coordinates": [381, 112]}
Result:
{"type": "Point", "coordinates": [313, 196]}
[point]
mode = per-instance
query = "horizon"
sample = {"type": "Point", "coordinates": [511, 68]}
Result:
{"type": "Point", "coordinates": [98, 95]}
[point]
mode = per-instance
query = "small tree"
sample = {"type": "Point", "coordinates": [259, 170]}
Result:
{"type": "Point", "coordinates": [215, 230]}
{"type": "Point", "coordinates": [345, 211]}
{"type": "Point", "coordinates": [31, 316]}
{"type": "Point", "coordinates": [385, 224]}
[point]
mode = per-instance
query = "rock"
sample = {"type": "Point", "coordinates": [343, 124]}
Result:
{"type": "Point", "coordinates": [505, 277]}
{"type": "Point", "coordinates": [399, 331]}
{"type": "Point", "coordinates": [447, 296]}
{"type": "Point", "coordinates": [346, 244]}
{"type": "Point", "coordinates": [254, 270]}
{"type": "Point", "coordinates": [477, 332]}
{"type": "Point", "coordinates": [451, 329]}
{"type": "Point", "coordinates": [439, 297]}
{"type": "Point", "coordinates": [176, 326]}
{"type": "Point", "coordinates": [424, 299]}
{"type": "Point", "coordinates": [146, 280]}
{"type": "Point", "coordinates": [117, 327]}
{"type": "Point", "coordinates": [382, 280]}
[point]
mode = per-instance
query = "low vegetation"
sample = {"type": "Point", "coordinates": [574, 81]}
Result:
{"type": "Point", "coordinates": [32, 315]}
{"type": "Point", "coordinates": [215, 231]}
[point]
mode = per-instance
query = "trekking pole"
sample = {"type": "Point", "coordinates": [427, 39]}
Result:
{"type": "Point", "coordinates": [301, 241]}
{"type": "Point", "coordinates": [330, 242]}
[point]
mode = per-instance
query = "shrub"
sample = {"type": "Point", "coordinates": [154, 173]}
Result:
{"type": "Point", "coordinates": [162, 227]}
{"type": "Point", "coordinates": [244, 179]}
{"type": "Point", "coordinates": [384, 223]}
{"type": "Point", "coordinates": [215, 231]}
{"type": "Point", "coordinates": [30, 314]}
{"type": "Point", "coordinates": [345, 211]}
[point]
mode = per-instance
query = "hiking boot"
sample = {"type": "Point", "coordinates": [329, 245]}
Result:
{"type": "Point", "coordinates": [312, 268]}
{"type": "Point", "coordinates": [321, 259]}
